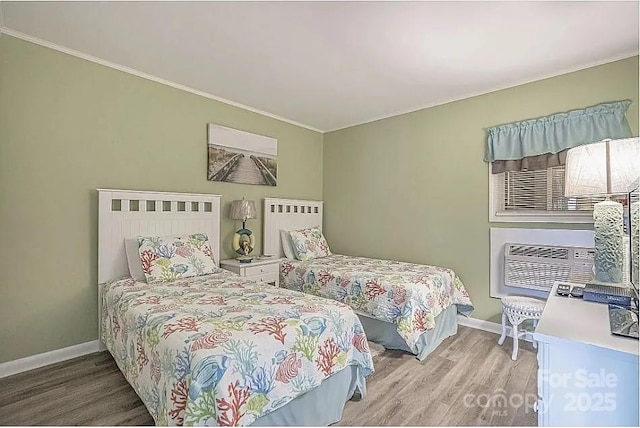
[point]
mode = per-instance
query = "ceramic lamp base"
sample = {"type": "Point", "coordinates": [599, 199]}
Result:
{"type": "Point", "coordinates": [635, 243]}
{"type": "Point", "coordinates": [608, 229]}
{"type": "Point", "coordinates": [244, 241]}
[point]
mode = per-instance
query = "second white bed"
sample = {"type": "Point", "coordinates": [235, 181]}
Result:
{"type": "Point", "coordinates": [401, 305]}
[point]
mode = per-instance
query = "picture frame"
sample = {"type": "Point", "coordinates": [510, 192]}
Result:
{"type": "Point", "coordinates": [241, 157]}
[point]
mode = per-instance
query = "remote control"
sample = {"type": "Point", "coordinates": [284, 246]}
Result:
{"type": "Point", "coordinates": [576, 291]}
{"type": "Point", "coordinates": [563, 290]}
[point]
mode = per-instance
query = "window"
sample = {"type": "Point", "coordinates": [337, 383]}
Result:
{"type": "Point", "coordinates": [536, 196]}
{"type": "Point", "coordinates": [539, 145]}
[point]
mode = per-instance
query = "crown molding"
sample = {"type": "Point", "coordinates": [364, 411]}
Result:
{"type": "Point", "coordinates": [147, 76]}
{"type": "Point", "coordinates": [128, 70]}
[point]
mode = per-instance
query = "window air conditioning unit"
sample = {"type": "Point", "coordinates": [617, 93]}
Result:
{"type": "Point", "coordinates": [536, 267]}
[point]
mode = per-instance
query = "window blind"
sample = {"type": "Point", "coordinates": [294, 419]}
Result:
{"type": "Point", "coordinates": [537, 191]}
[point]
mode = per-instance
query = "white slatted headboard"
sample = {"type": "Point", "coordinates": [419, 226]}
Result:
{"type": "Point", "coordinates": [129, 213]}
{"type": "Point", "coordinates": [287, 214]}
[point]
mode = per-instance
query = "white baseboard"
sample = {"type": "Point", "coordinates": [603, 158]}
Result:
{"type": "Point", "coordinates": [34, 361]}
{"type": "Point", "coordinates": [490, 326]}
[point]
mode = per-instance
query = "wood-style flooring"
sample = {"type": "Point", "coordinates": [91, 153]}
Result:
{"type": "Point", "coordinates": [453, 386]}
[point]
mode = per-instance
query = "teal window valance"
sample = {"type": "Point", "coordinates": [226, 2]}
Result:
{"type": "Point", "coordinates": [558, 132]}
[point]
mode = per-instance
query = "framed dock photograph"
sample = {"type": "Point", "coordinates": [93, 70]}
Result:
{"type": "Point", "coordinates": [241, 157]}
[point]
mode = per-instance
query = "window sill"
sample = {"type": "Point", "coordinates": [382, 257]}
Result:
{"type": "Point", "coordinates": [541, 217]}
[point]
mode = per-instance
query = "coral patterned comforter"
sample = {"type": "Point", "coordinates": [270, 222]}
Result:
{"type": "Point", "coordinates": [222, 350]}
{"type": "Point", "coordinates": [405, 294]}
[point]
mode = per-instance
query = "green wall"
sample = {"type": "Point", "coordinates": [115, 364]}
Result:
{"type": "Point", "coordinates": [414, 187]}
{"type": "Point", "coordinates": [67, 127]}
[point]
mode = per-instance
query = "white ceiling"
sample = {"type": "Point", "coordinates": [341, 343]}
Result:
{"type": "Point", "coordinates": [329, 65]}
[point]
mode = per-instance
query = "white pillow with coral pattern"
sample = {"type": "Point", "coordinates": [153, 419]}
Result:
{"type": "Point", "coordinates": [168, 258]}
{"type": "Point", "coordinates": [309, 244]}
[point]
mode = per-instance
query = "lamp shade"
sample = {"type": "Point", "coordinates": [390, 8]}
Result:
{"type": "Point", "coordinates": [242, 210]}
{"type": "Point", "coordinates": [609, 167]}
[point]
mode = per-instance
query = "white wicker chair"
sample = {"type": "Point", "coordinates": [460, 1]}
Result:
{"type": "Point", "coordinates": [518, 309]}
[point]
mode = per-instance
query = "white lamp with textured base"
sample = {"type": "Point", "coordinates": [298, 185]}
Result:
{"type": "Point", "coordinates": [607, 168]}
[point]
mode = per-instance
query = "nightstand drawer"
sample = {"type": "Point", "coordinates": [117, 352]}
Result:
{"type": "Point", "coordinates": [262, 269]}
{"type": "Point", "coordinates": [264, 277]}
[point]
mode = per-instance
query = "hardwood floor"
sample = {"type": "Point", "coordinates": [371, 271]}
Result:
{"type": "Point", "coordinates": [453, 386]}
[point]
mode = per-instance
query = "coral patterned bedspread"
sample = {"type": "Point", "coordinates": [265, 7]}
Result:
{"type": "Point", "coordinates": [406, 294]}
{"type": "Point", "coordinates": [222, 350]}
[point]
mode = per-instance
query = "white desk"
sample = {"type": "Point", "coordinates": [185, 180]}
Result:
{"type": "Point", "coordinates": [586, 375]}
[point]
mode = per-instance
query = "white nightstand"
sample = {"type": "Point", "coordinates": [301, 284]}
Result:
{"type": "Point", "coordinates": [258, 270]}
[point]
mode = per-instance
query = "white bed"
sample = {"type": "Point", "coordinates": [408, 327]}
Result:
{"type": "Point", "coordinates": [401, 305]}
{"type": "Point", "coordinates": [221, 304]}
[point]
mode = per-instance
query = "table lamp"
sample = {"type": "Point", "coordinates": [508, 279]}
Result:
{"type": "Point", "coordinates": [244, 240]}
{"type": "Point", "coordinates": [606, 168]}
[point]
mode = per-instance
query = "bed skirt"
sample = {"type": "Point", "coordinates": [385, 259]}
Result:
{"type": "Point", "coordinates": [321, 406]}
{"type": "Point", "coordinates": [386, 333]}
